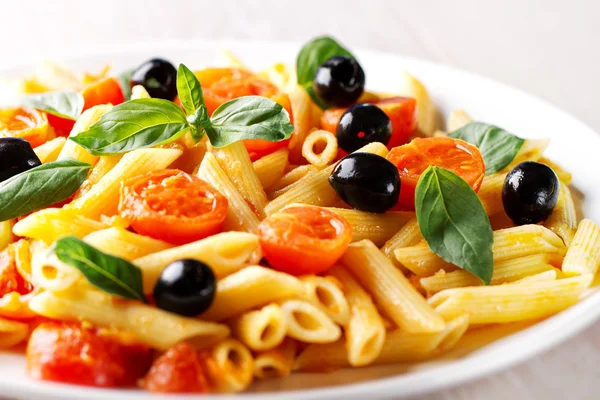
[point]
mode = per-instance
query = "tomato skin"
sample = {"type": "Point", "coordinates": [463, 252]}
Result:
{"type": "Point", "coordinates": [69, 353]}
{"type": "Point", "coordinates": [179, 370]}
{"type": "Point", "coordinates": [413, 159]}
{"type": "Point", "coordinates": [304, 239]}
{"type": "Point", "coordinates": [24, 123]}
{"type": "Point", "coordinates": [173, 206]}
{"type": "Point", "coordinates": [104, 91]}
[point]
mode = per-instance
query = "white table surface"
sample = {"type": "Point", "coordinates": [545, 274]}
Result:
{"type": "Point", "coordinates": [550, 48]}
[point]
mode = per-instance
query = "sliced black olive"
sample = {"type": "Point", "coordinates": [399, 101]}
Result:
{"type": "Point", "coordinates": [186, 287]}
{"type": "Point", "coordinates": [530, 193]}
{"type": "Point", "coordinates": [363, 124]}
{"type": "Point", "coordinates": [366, 182]}
{"type": "Point", "coordinates": [158, 77]}
{"type": "Point", "coordinates": [339, 81]}
{"type": "Point", "coordinates": [16, 156]}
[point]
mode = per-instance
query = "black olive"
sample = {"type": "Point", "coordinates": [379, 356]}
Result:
{"type": "Point", "coordinates": [339, 81]}
{"type": "Point", "coordinates": [530, 193]}
{"type": "Point", "coordinates": [186, 287]}
{"type": "Point", "coordinates": [366, 182]}
{"type": "Point", "coordinates": [363, 124]}
{"type": "Point", "coordinates": [16, 156]}
{"type": "Point", "coordinates": [158, 77]}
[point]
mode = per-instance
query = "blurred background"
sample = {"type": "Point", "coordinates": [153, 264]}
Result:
{"type": "Point", "coordinates": [549, 48]}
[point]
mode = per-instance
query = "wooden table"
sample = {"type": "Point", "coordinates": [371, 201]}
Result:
{"type": "Point", "coordinates": [549, 48]}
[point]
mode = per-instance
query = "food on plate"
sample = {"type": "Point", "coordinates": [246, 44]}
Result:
{"type": "Point", "coordinates": [192, 231]}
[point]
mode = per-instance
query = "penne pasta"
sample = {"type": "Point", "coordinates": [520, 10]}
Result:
{"type": "Point", "coordinates": [48, 272]}
{"type": "Point", "coordinates": [277, 362]}
{"type": "Point", "coordinates": [563, 220]}
{"type": "Point", "coordinates": [302, 110]}
{"type": "Point", "coordinates": [455, 330]}
{"type": "Point", "coordinates": [325, 293]}
{"type": "Point", "coordinates": [550, 275]}
{"type": "Point", "coordinates": [261, 329]}
{"type": "Point", "coordinates": [293, 176]}
{"type": "Point", "coordinates": [490, 193]}
{"type": "Point", "coordinates": [392, 292]}
{"type": "Point", "coordinates": [583, 256]}
{"type": "Point", "coordinates": [408, 235]}
{"type": "Point", "coordinates": [102, 167]}
{"type": "Point", "coordinates": [320, 148]}
{"type": "Point", "coordinates": [457, 119]}
{"type": "Point", "coordinates": [271, 167]}
{"type": "Point", "coordinates": [12, 333]}
{"type": "Point", "coordinates": [122, 243]}
{"type": "Point", "coordinates": [309, 324]}
{"type": "Point", "coordinates": [50, 150]}
{"type": "Point", "coordinates": [240, 217]}
{"type": "Point", "coordinates": [6, 233]}
{"type": "Point", "coordinates": [225, 252]}
{"type": "Point", "coordinates": [531, 150]}
{"type": "Point", "coordinates": [234, 366]}
{"type": "Point", "coordinates": [139, 92]}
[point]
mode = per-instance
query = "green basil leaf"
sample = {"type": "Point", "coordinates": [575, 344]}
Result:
{"type": "Point", "coordinates": [198, 121]}
{"type": "Point", "coordinates": [132, 125]}
{"type": "Point", "coordinates": [65, 104]}
{"type": "Point", "coordinates": [125, 82]}
{"type": "Point", "coordinates": [498, 147]}
{"type": "Point", "coordinates": [311, 56]}
{"type": "Point", "coordinates": [41, 187]}
{"type": "Point", "coordinates": [111, 274]}
{"type": "Point", "coordinates": [189, 90]}
{"type": "Point", "coordinates": [454, 223]}
{"type": "Point", "coordinates": [249, 117]}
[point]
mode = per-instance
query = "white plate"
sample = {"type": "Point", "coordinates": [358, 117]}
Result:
{"type": "Point", "coordinates": [573, 145]}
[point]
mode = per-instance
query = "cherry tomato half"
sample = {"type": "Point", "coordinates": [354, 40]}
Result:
{"type": "Point", "coordinates": [104, 91]}
{"type": "Point", "coordinates": [454, 155]}
{"type": "Point", "coordinates": [67, 352]}
{"type": "Point", "coordinates": [400, 110]}
{"type": "Point", "coordinates": [179, 370]}
{"type": "Point", "coordinates": [173, 206]}
{"type": "Point", "coordinates": [304, 239]}
{"type": "Point", "coordinates": [24, 123]}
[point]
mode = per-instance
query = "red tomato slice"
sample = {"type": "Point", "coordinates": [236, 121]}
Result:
{"type": "Point", "coordinates": [454, 155]}
{"type": "Point", "coordinates": [304, 240]}
{"type": "Point", "coordinates": [179, 370]}
{"type": "Point", "coordinates": [24, 123]}
{"type": "Point", "coordinates": [67, 352]}
{"type": "Point", "coordinates": [104, 91]}
{"type": "Point", "coordinates": [172, 205]}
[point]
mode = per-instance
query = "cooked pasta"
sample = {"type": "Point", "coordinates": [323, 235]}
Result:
{"type": "Point", "coordinates": [563, 220]}
{"type": "Point", "coordinates": [490, 193]}
{"type": "Point", "coordinates": [320, 148]}
{"type": "Point", "coordinates": [12, 333]}
{"type": "Point", "coordinates": [583, 256]}
{"type": "Point", "coordinates": [307, 323]}
{"type": "Point", "coordinates": [271, 167]}
{"type": "Point", "coordinates": [235, 366]}
{"type": "Point", "coordinates": [6, 233]}
{"type": "Point", "coordinates": [326, 293]}
{"type": "Point", "coordinates": [408, 235]}
{"type": "Point", "coordinates": [277, 362]}
{"type": "Point", "coordinates": [261, 329]}
{"type": "Point", "coordinates": [457, 119]}
{"type": "Point", "coordinates": [125, 244]}
{"type": "Point", "coordinates": [50, 150]}
{"type": "Point", "coordinates": [302, 109]}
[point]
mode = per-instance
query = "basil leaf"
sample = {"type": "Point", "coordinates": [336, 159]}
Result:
{"type": "Point", "coordinates": [125, 82]}
{"type": "Point", "coordinates": [41, 187]}
{"type": "Point", "coordinates": [65, 104]}
{"type": "Point", "coordinates": [111, 274]}
{"type": "Point", "coordinates": [249, 117]}
{"type": "Point", "coordinates": [132, 125]}
{"type": "Point", "coordinates": [198, 121]}
{"type": "Point", "coordinates": [189, 90]}
{"type": "Point", "coordinates": [454, 223]}
{"type": "Point", "coordinates": [498, 147]}
{"type": "Point", "coordinates": [311, 56]}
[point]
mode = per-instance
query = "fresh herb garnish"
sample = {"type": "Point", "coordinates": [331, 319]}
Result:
{"type": "Point", "coordinates": [41, 187]}
{"type": "Point", "coordinates": [125, 82]}
{"type": "Point", "coordinates": [311, 56]}
{"type": "Point", "coordinates": [453, 222]}
{"type": "Point", "coordinates": [144, 123]}
{"type": "Point", "coordinates": [498, 147]}
{"type": "Point", "coordinates": [65, 104]}
{"type": "Point", "coordinates": [111, 274]}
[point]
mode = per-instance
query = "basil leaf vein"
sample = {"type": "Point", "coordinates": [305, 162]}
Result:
{"type": "Point", "coordinates": [498, 147]}
{"type": "Point", "coordinates": [65, 104]}
{"type": "Point", "coordinates": [41, 187]}
{"type": "Point", "coordinates": [133, 125]}
{"type": "Point", "coordinates": [111, 274]}
{"type": "Point", "coordinates": [454, 223]}
{"type": "Point", "coordinates": [189, 90]}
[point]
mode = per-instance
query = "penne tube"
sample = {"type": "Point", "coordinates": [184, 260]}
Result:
{"type": "Point", "coordinates": [240, 217]}
{"type": "Point", "coordinates": [225, 252]}
{"type": "Point", "coordinates": [102, 167]}
{"type": "Point", "coordinates": [531, 150]}
{"type": "Point", "coordinates": [12, 333]}
{"type": "Point", "coordinates": [455, 330]}
{"type": "Point", "coordinates": [122, 243]}
{"type": "Point", "coordinates": [48, 272]}
{"type": "Point", "coordinates": [563, 220]}
{"type": "Point", "coordinates": [392, 292]}
{"type": "Point", "coordinates": [457, 119]}
{"type": "Point", "coordinates": [139, 92]}
{"type": "Point", "coordinates": [277, 362]}
{"type": "Point", "coordinates": [151, 326]}
{"type": "Point", "coordinates": [510, 303]}
{"type": "Point", "coordinates": [103, 197]}
{"type": "Point", "coordinates": [550, 275]}
{"type": "Point", "coordinates": [251, 287]}
{"type": "Point", "coordinates": [235, 161]}
{"type": "Point", "coordinates": [583, 256]}
{"type": "Point", "coordinates": [50, 150]}
{"type": "Point", "coordinates": [271, 167]}
{"type": "Point", "coordinates": [293, 176]}
{"type": "Point", "coordinates": [509, 244]}
{"type": "Point", "coordinates": [365, 331]}
{"type": "Point", "coordinates": [309, 324]}
{"type": "Point", "coordinates": [325, 293]}
{"type": "Point", "coordinates": [6, 233]}
{"type": "Point", "coordinates": [315, 189]}
{"type": "Point", "coordinates": [261, 329]}
{"type": "Point", "coordinates": [302, 110]}
{"type": "Point", "coordinates": [490, 193]}
{"type": "Point", "coordinates": [408, 235]}
{"type": "Point", "coordinates": [320, 148]}
{"type": "Point", "coordinates": [234, 367]}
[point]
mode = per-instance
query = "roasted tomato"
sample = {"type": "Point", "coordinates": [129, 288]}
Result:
{"type": "Point", "coordinates": [104, 91]}
{"type": "Point", "coordinates": [454, 155]}
{"type": "Point", "coordinates": [172, 205]}
{"type": "Point", "coordinates": [70, 353]}
{"type": "Point", "coordinates": [10, 279]}
{"type": "Point", "coordinates": [304, 239]}
{"type": "Point", "coordinates": [400, 110]}
{"type": "Point", "coordinates": [180, 370]}
{"type": "Point", "coordinates": [24, 123]}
